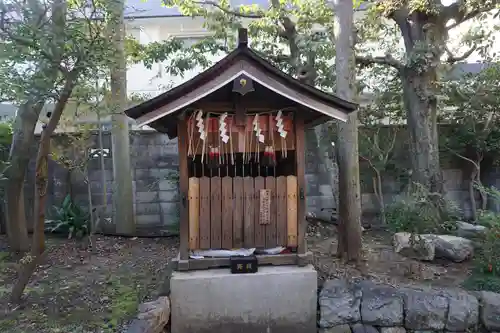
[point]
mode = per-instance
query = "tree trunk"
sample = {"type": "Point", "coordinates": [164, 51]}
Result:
{"type": "Point", "coordinates": [379, 193]}
{"type": "Point", "coordinates": [421, 111]}
{"type": "Point", "coordinates": [41, 184]}
{"type": "Point", "coordinates": [123, 202]}
{"type": "Point", "coordinates": [22, 142]}
{"type": "Point", "coordinates": [349, 209]}
{"type": "Point", "coordinates": [472, 193]}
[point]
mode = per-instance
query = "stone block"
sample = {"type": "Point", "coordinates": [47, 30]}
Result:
{"type": "Point", "coordinates": [425, 310]}
{"type": "Point", "coordinates": [168, 196]}
{"type": "Point", "coordinates": [339, 304]}
{"type": "Point", "coordinates": [148, 219]}
{"type": "Point", "coordinates": [490, 310]}
{"type": "Point", "coordinates": [463, 311]}
{"type": "Point", "coordinates": [382, 305]}
{"type": "Point", "coordinates": [147, 208]}
{"type": "Point", "coordinates": [279, 299]}
{"type": "Point", "coordinates": [146, 197]}
{"type": "Point", "coordinates": [167, 185]}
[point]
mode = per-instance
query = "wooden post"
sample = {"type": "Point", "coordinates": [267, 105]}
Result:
{"type": "Point", "coordinates": [301, 186]}
{"type": "Point", "coordinates": [182, 138]}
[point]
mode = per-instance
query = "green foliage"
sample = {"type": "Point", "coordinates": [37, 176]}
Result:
{"type": "Point", "coordinates": [69, 219]}
{"type": "Point", "coordinates": [5, 141]}
{"type": "Point", "coordinates": [486, 265]}
{"type": "Point", "coordinates": [422, 212]}
{"type": "Point", "coordinates": [472, 109]}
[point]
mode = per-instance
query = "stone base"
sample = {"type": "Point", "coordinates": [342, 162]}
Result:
{"type": "Point", "coordinates": [277, 299]}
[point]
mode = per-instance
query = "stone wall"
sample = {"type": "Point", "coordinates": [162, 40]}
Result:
{"type": "Point", "coordinates": [154, 161]}
{"type": "Point", "coordinates": [154, 168]}
{"type": "Point", "coordinates": [366, 307]}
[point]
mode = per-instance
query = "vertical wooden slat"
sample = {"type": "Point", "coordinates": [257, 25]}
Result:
{"type": "Point", "coordinates": [248, 217]}
{"type": "Point", "coordinates": [301, 183]}
{"type": "Point", "coordinates": [194, 213]}
{"type": "Point", "coordinates": [239, 204]}
{"type": "Point", "coordinates": [215, 213]}
{"type": "Point", "coordinates": [204, 213]}
{"type": "Point", "coordinates": [271, 237]}
{"type": "Point", "coordinates": [183, 187]}
{"type": "Point", "coordinates": [260, 229]}
{"type": "Point", "coordinates": [291, 188]}
{"type": "Point", "coordinates": [281, 200]}
{"type": "Point", "coordinates": [227, 212]}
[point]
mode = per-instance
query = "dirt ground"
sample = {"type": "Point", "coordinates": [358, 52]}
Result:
{"type": "Point", "coordinates": [77, 292]}
{"type": "Point", "coordinates": [381, 263]}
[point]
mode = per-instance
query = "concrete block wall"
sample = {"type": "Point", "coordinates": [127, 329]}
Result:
{"type": "Point", "coordinates": [156, 200]}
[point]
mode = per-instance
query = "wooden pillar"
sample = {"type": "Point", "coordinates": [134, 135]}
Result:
{"type": "Point", "coordinates": [182, 139]}
{"type": "Point", "coordinates": [300, 150]}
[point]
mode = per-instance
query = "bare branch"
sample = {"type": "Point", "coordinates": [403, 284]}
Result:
{"type": "Point", "coordinates": [452, 59]}
{"type": "Point", "coordinates": [387, 60]}
{"type": "Point", "coordinates": [458, 12]}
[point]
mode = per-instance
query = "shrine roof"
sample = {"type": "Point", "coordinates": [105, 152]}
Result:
{"type": "Point", "coordinates": [160, 111]}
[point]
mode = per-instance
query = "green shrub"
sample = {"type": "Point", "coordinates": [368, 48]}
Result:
{"type": "Point", "coordinates": [486, 264]}
{"type": "Point", "coordinates": [69, 219]}
{"type": "Point", "coordinates": [422, 212]}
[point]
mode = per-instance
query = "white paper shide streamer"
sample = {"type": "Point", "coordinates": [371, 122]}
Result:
{"type": "Point", "coordinates": [223, 128]}
{"type": "Point", "coordinates": [280, 126]}
{"type": "Point", "coordinates": [201, 125]}
{"type": "Point", "coordinates": [257, 129]}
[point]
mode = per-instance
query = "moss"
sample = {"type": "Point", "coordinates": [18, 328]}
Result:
{"type": "Point", "coordinates": [124, 302]}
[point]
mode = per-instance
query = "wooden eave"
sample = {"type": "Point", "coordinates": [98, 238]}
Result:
{"type": "Point", "coordinates": [161, 112]}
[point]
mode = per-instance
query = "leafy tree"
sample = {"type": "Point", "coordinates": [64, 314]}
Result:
{"type": "Point", "coordinates": [474, 132]}
{"type": "Point", "coordinates": [57, 45]}
{"type": "Point", "coordinates": [424, 28]}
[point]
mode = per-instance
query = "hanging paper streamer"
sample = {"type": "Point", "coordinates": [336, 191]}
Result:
{"type": "Point", "coordinates": [201, 125]}
{"type": "Point", "coordinates": [281, 130]}
{"type": "Point", "coordinates": [280, 126]}
{"type": "Point", "coordinates": [222, 128]}
{"type": "Point", "coordinates": [257, 129]}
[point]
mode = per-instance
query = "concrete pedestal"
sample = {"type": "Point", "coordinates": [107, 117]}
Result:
{"type": "Point", "coordinates": [277, 299]}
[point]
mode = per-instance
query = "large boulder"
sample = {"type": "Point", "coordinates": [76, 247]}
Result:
{"type": "Point", "coordinates": [470, 231]}
{"type": "Point", "coordinates": [339, 304]}
{"type": "Point", "coordinates": [453, 248]}
{"type": "Point", "coordinates": [414, 246]}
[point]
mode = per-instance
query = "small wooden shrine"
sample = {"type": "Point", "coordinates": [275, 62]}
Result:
{"type": "Point", "coordinates": [240, 128]}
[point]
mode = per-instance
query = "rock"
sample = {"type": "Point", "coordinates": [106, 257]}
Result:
{"type": "Point", "coordinates": [463, 311]}
{"type": "Point", "coordinates": [155, 314]}
{"type": "Point", "coordinates": [339, 304]}
{"type": "Point", "coordinates": [381, 305]}
{"type": "Point", "coordinates": [337, 329]}
{"type": "Point", "coordinates": [453, 248]}
{"type": "Point", "coordinates": [470, 231]}
{"type": "Point", "coordinates": [422, 249]}
{"type": "Point", "coordinates": [361, 328]}
{"type": "Point", "coordinates": [490, 310]}
{"type": "Point", "coordinates": [392, 330]}
{"type": "Point", "coordinates": [425, 310]}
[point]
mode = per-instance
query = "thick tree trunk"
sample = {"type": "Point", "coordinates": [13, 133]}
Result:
{"type": "Point", "coordinates": [22, 142]}
{"type": "Point", "coordinates": [41, 184]}
{"type": "Point", "coordinates": [349, 239]}
{"type": "Point", "coordinates": [420, 104]}
{"type": "Point", "coordinates": [123, 199]}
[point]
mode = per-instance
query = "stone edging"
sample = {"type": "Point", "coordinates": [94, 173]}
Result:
{"type": "Point", "coordinates": [366, 306]}
{"type": "Point", "coordinates": [153, 317]}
